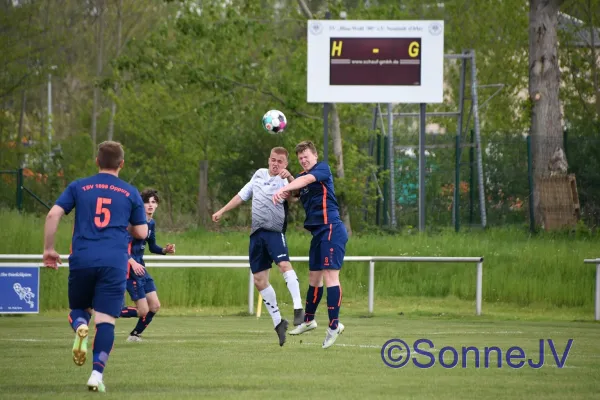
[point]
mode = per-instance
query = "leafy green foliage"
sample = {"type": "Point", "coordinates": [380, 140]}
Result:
{"type": "Point", "coordinates": [194, 79]}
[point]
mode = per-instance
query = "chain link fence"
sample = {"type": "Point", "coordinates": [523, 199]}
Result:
{"type": "Point", "coordinates": [508, 176]}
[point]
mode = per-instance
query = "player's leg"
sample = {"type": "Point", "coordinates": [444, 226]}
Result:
{"type": "Point", "coordinates": [137, 291]}
{"type": "Point", "coordinates": [129, 312]}
{"type": "Point", "coordinates": [151, 305]}
{"type": "Point", "coordinates": [279, 253]}
{"type": "Point", "coordinates": [126, 311]}
{"type": "Point", "coordinates": [332, 253]}
{"type": "Point", "coordinates": [81, 286]}
{"type": "Point", "coordinates": [262, 284]}
{"type": "Point", "coordinates": [315, 288]}
{"type": "Point", "coordinates": [260, 264]}
{"type": "Point", "coordinates": [108, 300]}
{"type": "Point", "coordinates": [293, 285]}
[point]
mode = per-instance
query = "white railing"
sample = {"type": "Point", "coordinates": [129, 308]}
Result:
{"type": "Point", "coordinates": [10, 260]}
{"type": "Point", "coordinates": [597, 302]}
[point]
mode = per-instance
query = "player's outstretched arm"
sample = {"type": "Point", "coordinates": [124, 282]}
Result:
{"type": "Point", "coordinates": [156, 249]}
{"type": "Point", "coordinates": [236, 201]}
{"type": "Point", "coordinates": [295, 185]}
{"type": "Point", "coordinates": [51, 258]}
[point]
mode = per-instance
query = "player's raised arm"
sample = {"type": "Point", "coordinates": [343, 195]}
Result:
{"type": "Point", "coordinates": [244, 195]}
{"type": "Point", "coordinates": [236, 201]}
{"type": "Point", "coordinates": [297, 184]}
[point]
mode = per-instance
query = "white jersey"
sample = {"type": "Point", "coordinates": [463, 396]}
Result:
{"type": "Point", "coordinates": [265, 214]}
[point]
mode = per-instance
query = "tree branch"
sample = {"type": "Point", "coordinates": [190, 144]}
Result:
{"type": "Point", "coordinates": [15, 86]}
{"type": "Point", "coordinates": [305, 9]}
{"type": "Point", "coordinates": [270, 94]}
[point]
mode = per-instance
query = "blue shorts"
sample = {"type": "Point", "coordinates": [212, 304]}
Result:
{"type": "Point", "coordinates": [327, 247]}
{"type": "Point", "coordinates": [139, 286]}
{"type": "Point", "coordinates": [100, 288]}
{"type": "Point", "coordinates": [267, 247]}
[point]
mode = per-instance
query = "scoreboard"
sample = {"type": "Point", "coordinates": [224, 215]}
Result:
{"type": "Point", "coordinates": [375, 61]}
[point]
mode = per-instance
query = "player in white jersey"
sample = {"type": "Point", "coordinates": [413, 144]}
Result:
{"type": "Point", "coordinates": [267, 236]}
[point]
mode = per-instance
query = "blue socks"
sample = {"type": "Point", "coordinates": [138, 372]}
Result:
{"type": "Point", "coordinates": [79, 317]}
{"type": "Point", "coordinates": [143, 324]}
{"type": "Point", "coordinates": [103, 344]}
{"type": "Point", "coordinates": [334, 301]}
{"type": "Point", "coordinates": [313, 297]}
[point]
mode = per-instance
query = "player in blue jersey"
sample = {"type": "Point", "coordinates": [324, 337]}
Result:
{"type": "Point", "coordinates": [267, 236]}
{"type": "Point", "coordinates": [106, 207]}
{"type": "Point", "coordinates": [140, 284]}
{"type": "Point", "coordinates": [329, 238]}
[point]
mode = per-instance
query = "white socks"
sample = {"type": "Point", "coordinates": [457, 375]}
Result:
{"type": "Point", "coordinates": [270, 300]}
{"type": "Point", "coordinates": [97, 375]}
{"type": "Point", "coordinates": [293, 285]}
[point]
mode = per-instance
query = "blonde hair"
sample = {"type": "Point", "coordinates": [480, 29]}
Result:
{"type": "Point", "coordinates": [280, 150]}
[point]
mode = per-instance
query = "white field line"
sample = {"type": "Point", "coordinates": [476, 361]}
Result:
{"type": "Point", "coordinates": [302, 343]}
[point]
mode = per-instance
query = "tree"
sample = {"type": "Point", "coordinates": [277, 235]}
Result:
{"type": "Point", "coordinates": [100, 44]}
{"type": "Point", "coordinates": [544, 83]}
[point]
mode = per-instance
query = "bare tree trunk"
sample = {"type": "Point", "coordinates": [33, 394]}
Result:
{"type": "Point", "coordinates": [336, 136]}
{"type": "Point", "coordinates": [100, 42]}
{"type": "Point", "coordinates": [203, 193]}
{"type": "Point", "coordinates": [113, 110]}
{"type": "Point", "coordinates": [19, 144]}
{"type": "Point", "coordinates": [544, 82]}
{"type": "Point", "coordinates": [594, 56]}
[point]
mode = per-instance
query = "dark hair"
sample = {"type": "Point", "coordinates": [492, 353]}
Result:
{"type": "Point", "coordinates": [307, 144]}
{"type": "Point", "coordinates": [110, 155]}
{"type": "Point", "coordinates": [148, 193]}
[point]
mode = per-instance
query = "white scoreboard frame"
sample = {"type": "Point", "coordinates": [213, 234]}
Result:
{"type": "Point", "coordinates": [430, 90]}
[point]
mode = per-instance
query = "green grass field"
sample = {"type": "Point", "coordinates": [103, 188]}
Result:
{"type": "Point", "coordinates": [527, 271]}
{"type": "Point", "coordinates": [203, 344]}
{"type": "Point", "coordinates": [214, 353]}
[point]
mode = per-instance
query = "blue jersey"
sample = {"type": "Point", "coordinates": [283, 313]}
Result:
{"type": "Point", "coordinates": [105, 205]}
{"type": "Point", "coordinates": [139, 245]}
{"type": "Point", "coordinates": [318, 198]}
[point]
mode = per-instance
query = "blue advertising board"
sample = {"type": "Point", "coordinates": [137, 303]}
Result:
{"type": "Point", "coordinates": [19, 290]}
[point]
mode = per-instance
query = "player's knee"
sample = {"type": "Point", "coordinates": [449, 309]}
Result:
{"type": "Point", "coordinates": [142, 310]}
{"type": "Point", "coordinates": [332, 277]}
{"type": "Point", "coordinates": [284, 266]}
{"type": "Point", "coordinates": [315, 278]}
{"type": "Point", "coordinates": [155, 307]}
{"type": "Point", "coordinates": [260, 281]}
{"type": "Point", "coordinates": [101, 318]}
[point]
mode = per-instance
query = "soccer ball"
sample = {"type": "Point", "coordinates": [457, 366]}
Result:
{"type": "Point", "coordinates": [274, 121]}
